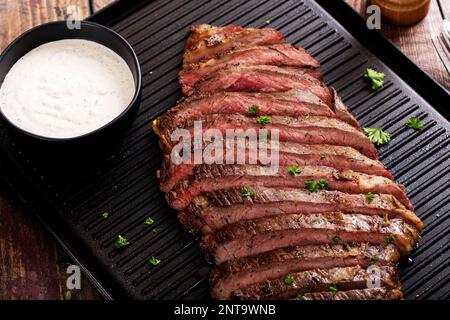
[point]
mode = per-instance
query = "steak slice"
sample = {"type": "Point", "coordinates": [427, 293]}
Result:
{"type": "Point", "coordinates": [244, 272]}
{"type": "Point", "coordinates": [341, 110]}
{"type": "Point", "coordinates": [319, 280]}
{"type": "Point", "coordinates": [209, 178]}
{"type": "Point", "coordinates": [259, 78]}
{"type": "Point", "coordinates": [303, 130]}
{"type": "Point", "coordinates": [362, 294]}
{"type": "Point", "coordinates": [206, 41]}
{"type": "Point", "coordinates": [343, 158]}
{"type": "Point", "coordinates": [283, 54]}
{"type": "Point", "coordinates": [214, 210]}
{"type": "Point", "coordinates": [293, 103]}
{"type": "Point", "coordinates": [251, 237]}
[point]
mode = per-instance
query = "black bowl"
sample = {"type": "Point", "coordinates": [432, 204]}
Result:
{"type": "Point", "coordinates": [54, 31]}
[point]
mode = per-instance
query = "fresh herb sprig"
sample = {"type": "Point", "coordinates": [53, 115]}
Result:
{"type": "Point", "coordinates": [376, 78]}
{"type": "Point", "coordinates": [377, 136]}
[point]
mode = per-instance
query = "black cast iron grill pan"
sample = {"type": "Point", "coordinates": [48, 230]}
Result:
{"type": "Point", "coordinates": [70, 196]}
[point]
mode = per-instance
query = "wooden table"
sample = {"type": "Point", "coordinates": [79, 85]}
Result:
{"type": "Point", "coordinates": [31, 263]}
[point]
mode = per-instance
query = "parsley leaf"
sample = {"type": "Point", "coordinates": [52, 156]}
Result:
{"type": "Point", "coordinates": [246, 192]}
{"type": "Point", "coordinates": [323, 183]}
{"type": "Point", "coordinates": [333, 288]}
{"type": "Point", "coordinates": [294, 170]}
{"type": "Point", "coordinates": [370, 196]}
{"type": "Point", "coordinates": [390, 238]}
{"type": "Point", "coordinates": [374, 259]}
{"type": "Point", "coordinates": [156, 230]}
{"type": "Point", "coordinates": [149, 221]}
{"type": "Point", "coordinates": [253, 109]}
{"type": "Point", "coordinates": [322, 156]}
{"type": "Point", "coordinates": [105, 215]}
{"type": "Point", "coordinates": [121, 242]}
{"type": "Point", "coordinates": [68, 295]}
{"type": "Point", "coordinates": [414, 123]}
{"type": "Point", "coordinates": [264, 120]}
{"type": "Point", "coordinates": [289, 280]}
{"type": "Point", "coordinates": [154, 261]}
{"type": "Point", "coordinates": [377, 135]}
{"type": "Point", "coordinates": [335, 239]}
{"type": "Point", "coordinates": [377, 78]}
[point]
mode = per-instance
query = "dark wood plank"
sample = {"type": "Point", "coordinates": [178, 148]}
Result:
{"type": "Point", "coordinates": [415, 41]}
{"type": "Point", "coordinates": [32, 265]}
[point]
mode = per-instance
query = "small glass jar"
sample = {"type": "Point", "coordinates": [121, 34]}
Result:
{"type": "Point", "coordinates": [403, 12]}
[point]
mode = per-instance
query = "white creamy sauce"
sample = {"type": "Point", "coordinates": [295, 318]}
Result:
{"type": "Point", "coordinates": [66, 88]}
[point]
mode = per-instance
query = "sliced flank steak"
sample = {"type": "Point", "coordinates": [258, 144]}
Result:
{"type": "Point", "coordinates": [289, 154]}
{"type": "Point", "coordinates": [283, 54]}
{"type": "Point", "coordinates": [209, 178]}
{"type": "Point", "coordinates": [214, 210]}
{"type": "Point", "coordinates": [319, 280]}
{"type": "Point", "coordinates": [206, 41]}
{"type": "Point", "coordinates": [303, 130]}
{"type": "Point", "coordinates": [259, 78]}
{"type": "Point", "coordinates": [361, 294]}
{"type": "Point", "coordinates": [293, 103]}
{"type": "Point", "coordinates": [250, 237]}
{"type": "Point", "coordinates": [244, 272]}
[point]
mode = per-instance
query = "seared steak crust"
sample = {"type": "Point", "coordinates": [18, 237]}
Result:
{"type": "Point", "coordinates": [217, 209]}
{"type": "Point", "coordinates": [240, 273]}
{"type": "Point", "coordinates": [282, 54]}
{"type": "Point", "coordinates": [290, 154]}
{"type": "Point", "coordinates": [206, 41]}
{"type": "Point", "coordinates": [259, 78]}
{"type": "Point", "coordinates": [208, 178]}
{"type": "Point", "coordinates": [303, 130]}
{"type": "Point", "coordinates": [362, 294]}
{"type": "Point", "coordinates": [246, 238]}
{"type": "Point", "coordinates": [319, 280]}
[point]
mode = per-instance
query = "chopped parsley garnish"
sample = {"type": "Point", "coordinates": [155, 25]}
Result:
{"type": "Point", "coordinates": [314, 186]}
{"type": "Point", "coordinates": [154, 261]}
{"type": "Point", "coordinates": [414, 123]}
{"type": "Point", "coordinates": [105, 215]}
{"type": "Point", "coordinates": [323, 183]}
{"type": "Point", "coordinates": [246, 192]}
{"type": "Point", "coordinates": [289, 280]}
{"type": "Point", "coordinates": [149, 221]}
{"type": "Point", "coordinates": [156, 230]}
{"type": "Point", "coordinates": [121, 242]}
{"type": "Point", "coordinates": [322, 156]}
{"type": "Point", "coordinates": [374, 259]}
{"type": "Point", "coordinates": [333, 288]}
{"type": "Point", "coordinates": [370, 196]}
{"type": "Point", "coordinates": [253, 109]}
{"type": "Point", "coordinates": [377, 78]}
{"type": "Point", "coordinates": [377, 135]}
{"type": "Point", "coordinates": [311, 185]}
{"type": "Point", "coordinates": [336, 239]}
{"type": "Point", "coordinates": [264, 120]}
{"type": "Point", "coordinates": [68, 295]}
{"type": "Point", "coordinates": [390, 238]}
{"type": "Point", "coordinates": [294, 170]}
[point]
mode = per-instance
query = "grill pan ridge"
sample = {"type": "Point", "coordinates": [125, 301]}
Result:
{"type": "Point", "coordinates": [70, 196]}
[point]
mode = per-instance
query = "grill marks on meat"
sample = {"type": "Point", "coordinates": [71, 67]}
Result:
{"type": "Point", "coordinates": [215, 210]}
{"type": "Point", "coordinates": [363, 294]}
{"type": "Point", "coordinates": [206, 41]}
{"type": "Point", "coordinates": [258, 78]}
{"type": "Point", "coordinates": [209, 178]}
{"type": "Point", "coordinates": [293, 103]}
{"type": "Point", "coordinates": [282, 54]}
{"type": "Point", "coordinates": [244, 272]}
{"type": "Point", "coordinates": [290, 154]}
{"type": "Point", "coordinates": [303, 130]}
{"type": "Point", "coordinates": [318, 280]}
{"type": "Point", "coordinates": [251, 237]}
